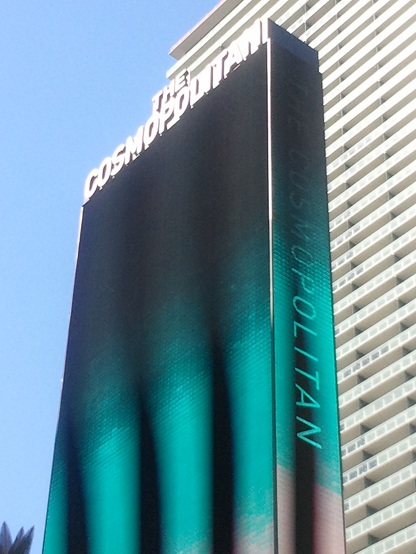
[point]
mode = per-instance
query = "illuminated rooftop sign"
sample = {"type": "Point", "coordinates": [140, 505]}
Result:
{"type": "Point", "coordinates": [172, 101]}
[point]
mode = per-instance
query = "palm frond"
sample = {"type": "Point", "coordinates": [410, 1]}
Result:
{"type": "Point", "coordinates": [21, 544]}
{"type": "Point", "coordinates": [5, 539]}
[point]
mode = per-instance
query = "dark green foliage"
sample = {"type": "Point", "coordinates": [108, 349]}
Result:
{"type": "Point", "coordinates": [20, 545]}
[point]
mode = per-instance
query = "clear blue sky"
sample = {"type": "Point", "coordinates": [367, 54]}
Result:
{"type": "Point", "coordinates": [76, 79]}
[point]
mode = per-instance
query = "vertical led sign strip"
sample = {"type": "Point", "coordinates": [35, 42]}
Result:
{"type": "Point", "coordinates": [200, 350]}
{"type": "Point", "coordinates": [309, 490]}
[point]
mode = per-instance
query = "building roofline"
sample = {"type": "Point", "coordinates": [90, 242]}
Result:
{"type": "Point", "coordinates": [207, 23]}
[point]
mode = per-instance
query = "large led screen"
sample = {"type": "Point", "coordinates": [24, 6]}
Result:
{"type": "Point", "coordinates": [193, 419]}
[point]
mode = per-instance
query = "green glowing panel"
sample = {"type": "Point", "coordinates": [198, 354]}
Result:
{"type": "Point", "coordinates": [198, 411]}
{"type": "Point", "coordinates": [166, 418]}
{"type": "Point", "coordinates": [310, 517]}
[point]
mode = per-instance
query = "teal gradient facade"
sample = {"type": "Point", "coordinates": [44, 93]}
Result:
{"type": "Point", "coordinates": [309, 487]}
{"type": "Point", "coordinates": [188, 407]}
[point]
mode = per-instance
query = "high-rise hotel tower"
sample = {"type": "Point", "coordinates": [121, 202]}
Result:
{"type": "Point", "coordinates": [367, 52]}
{"type": "Point", "coordinates": [200, 352]}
